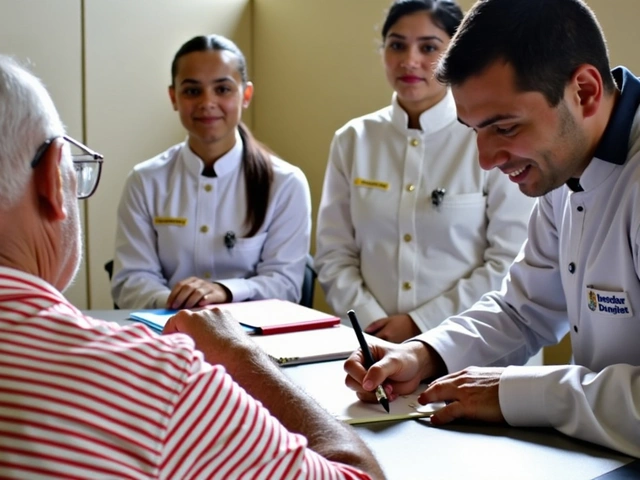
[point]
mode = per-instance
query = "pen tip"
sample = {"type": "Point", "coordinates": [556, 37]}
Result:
{"type": "Point", "coordinates": [385, 403]}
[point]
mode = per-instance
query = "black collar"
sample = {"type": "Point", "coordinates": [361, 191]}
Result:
{"type": "Point", "coordinates": [614, 144]}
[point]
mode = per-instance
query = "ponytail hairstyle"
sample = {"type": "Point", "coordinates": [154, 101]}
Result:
{"type": "Point", "coordinates": [256, 157]}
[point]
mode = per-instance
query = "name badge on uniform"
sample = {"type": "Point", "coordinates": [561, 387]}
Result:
{"type": "Point", "coordinates": [611, 304]}
{"type": "Point", "coordinates": [176, 221]}
{"type": "Point", "coordinates": [363, 182]}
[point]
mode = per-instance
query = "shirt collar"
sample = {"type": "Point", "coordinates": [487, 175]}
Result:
{"type": "Point", "coordinates": [226, 164]}
{"type": "Point", "coordinates": [614, 145]}
{"type": "Point", "coordinates": [431, 120]}
{"type": "Point", "coordinates": [16, 284]}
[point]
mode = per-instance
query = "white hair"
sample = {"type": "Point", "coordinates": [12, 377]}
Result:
{"type": "Point", "coordinates": [27, 118]}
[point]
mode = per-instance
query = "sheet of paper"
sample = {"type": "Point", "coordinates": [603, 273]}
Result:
{"type": "Point", "coordinates": [329, 389]}
{"type": "Point", "coordinates": [402, 408]}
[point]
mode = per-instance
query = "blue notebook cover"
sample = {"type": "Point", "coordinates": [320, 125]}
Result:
{"type": "Point", "coordinates": [156, 319]}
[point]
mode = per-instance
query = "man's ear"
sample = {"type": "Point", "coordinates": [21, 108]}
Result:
{"type": "Point", "coordinates": [247, 95]}
{"type": "Point", "coordinates": [588, 88]}
{"type": "Point", "coordinates": [49, 182]}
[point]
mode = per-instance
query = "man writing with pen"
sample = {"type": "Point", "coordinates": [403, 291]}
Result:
{"type": "Point", "coordinates": [533, 80]}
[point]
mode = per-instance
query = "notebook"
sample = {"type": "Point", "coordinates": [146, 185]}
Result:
{"type": "Point", "coordinates": [156, 319]}
{"type": "Point", "coordinates": [265, 317]}
{"type": "Point", "coordinates": [310, 346]}
{"type": "Point", "coordinates": [278, 316]}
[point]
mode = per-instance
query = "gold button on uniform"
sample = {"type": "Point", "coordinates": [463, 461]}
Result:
{"type": "Point", "coordinates": [406, 286]}
{"type": "Point", "coordinates": [414, 142]}
{"type": "Point", "coordinates": [204, 229]}
{"type": "Point", "coordinates": [411, 187]}
{"type": "Point", "coordinates": [208, 188]}
{"type": "Point", "coordinates": [207, 275]}
{"type": "Point", "coordinates": [407, 237]}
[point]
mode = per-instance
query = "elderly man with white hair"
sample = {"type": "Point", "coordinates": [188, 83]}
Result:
{"type": "Point", "coordinates": [85, 398]}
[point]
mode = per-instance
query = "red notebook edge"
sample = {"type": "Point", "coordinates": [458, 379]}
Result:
{"type": "Point", "coordinates": [297, 327]}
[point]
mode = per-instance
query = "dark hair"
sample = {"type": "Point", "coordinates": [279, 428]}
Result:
{"type": "Point", "coordinates": [545, 41]}
{"type": "Point", "coordinates": [256, 161]}
{"type": "Point", "coordinates": [446, 14]}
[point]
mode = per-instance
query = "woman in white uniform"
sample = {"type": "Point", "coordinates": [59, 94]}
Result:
{"type": "Point", "coordinates": [216, 218]}
{"type": "Point", "coordinates": [410, 229]}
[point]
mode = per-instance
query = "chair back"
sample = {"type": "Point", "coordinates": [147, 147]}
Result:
{"type": "Point", "coordinates": [308, 284]}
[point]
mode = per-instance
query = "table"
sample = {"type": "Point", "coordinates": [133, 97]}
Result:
{"type": "Point", "coordinates": [415, 449]}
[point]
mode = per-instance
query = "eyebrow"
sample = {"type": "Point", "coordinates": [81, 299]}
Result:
{"type": "Point", "coordinates": [420, 39]}
{"type": "Point", "coordinates": [489, 121]}
{"type": "Point", "coordinates": [192, 81]}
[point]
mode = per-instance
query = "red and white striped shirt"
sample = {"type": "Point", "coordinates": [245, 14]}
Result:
{"type": "Point", "coordinates": [82, 398]}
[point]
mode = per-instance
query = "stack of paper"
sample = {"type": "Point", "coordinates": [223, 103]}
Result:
{"type": "Point", "coordinates": [265, 317]}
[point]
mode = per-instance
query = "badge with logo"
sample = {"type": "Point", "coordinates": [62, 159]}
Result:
{"type": "Point", "coordinates": [611, 304]}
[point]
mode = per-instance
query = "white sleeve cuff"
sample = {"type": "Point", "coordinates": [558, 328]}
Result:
{"type": "Point", "coordinates": [522, 395]}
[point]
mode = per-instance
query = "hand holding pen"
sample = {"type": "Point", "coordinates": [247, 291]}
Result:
{"type": "Point", "coordinates": [368, 359]}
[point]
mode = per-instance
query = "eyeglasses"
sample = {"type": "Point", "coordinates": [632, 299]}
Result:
{"type": "Point", "coordinates": [88, 165]}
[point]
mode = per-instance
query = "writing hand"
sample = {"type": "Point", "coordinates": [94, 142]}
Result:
{"type": "Point", "coordinates": [196, 292]}
{"type": "Point", "coordinates": [471, 393]}
{"type": "Point", "coordinates": [395, 328]}
{"type": "Point", "coordinates": [399, 368]}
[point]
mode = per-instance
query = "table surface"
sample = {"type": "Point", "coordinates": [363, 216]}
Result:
{"type": "Point", "coordinates": [414, 449]}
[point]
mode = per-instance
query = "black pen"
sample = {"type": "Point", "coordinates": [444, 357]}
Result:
{"type": "Point", "coordinates": [368, 359]}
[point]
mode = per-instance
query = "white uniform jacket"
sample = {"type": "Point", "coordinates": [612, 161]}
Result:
{"type": "Point", "coordinates": [172, 223]}
{"type": "Point", "coordinates": [579, 271]}
{"type": "Point", "coordinates": [385, 247]}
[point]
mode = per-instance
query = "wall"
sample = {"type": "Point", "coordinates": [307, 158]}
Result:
{"type": "Point", "coordinates": [55, 55]}
{"type": "Point", "coordinates": [317, 66]}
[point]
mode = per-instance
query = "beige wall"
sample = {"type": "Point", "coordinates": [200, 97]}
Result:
{"type": "Point", "coordinates": [54, 54]}
{"type": "Point", "coordinates": [317, 66]}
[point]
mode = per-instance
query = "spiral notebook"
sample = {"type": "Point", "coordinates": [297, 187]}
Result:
{"type": "Point", "coordinates": [310, 346]}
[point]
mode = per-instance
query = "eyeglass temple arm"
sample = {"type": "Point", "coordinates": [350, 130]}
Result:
{"type": "Point", "coordinates": [95, 155]}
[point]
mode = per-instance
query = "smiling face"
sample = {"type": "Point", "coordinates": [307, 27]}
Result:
{"type": "Point", "coordinates": [540, 147]}
{"type": "Point", "coordinates": [411, 50]}
{"type": "Point", "coordinates": [209, 96]}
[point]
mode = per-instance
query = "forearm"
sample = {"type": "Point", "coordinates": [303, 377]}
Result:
{"type": "Point", "coordinates": [283, 285]}
{"type": "Point", "coordinates": [599, 407]}
{"type": "Point", "coordinates": [298, 412]}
